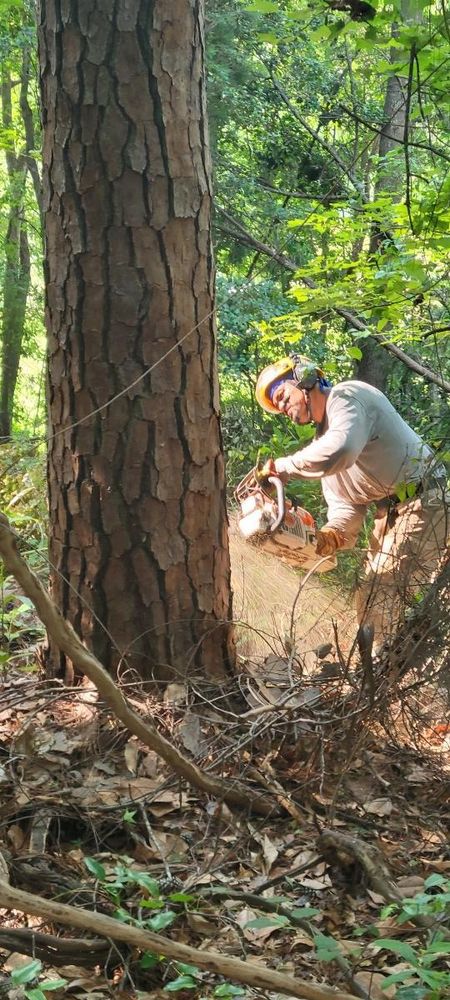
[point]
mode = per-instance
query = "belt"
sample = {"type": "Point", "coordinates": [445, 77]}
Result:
{"type": "Point", "coordinates": [430, 483]}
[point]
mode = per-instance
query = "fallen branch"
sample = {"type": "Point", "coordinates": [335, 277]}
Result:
{"type": "Point", "coordinates": [273, 906]}
{"type": "Point", "coordinates": [222, 965]}
{"type": "Point", "coordinates": [64, 636]}
{"type": "Point", "coordinates": [345, 850]}
{"type": "Point", "coordinates": [54, 950]}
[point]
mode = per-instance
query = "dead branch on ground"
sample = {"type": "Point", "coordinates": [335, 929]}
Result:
{"type": "Point", "coordinates": [248, 973]}
{"type": "Point", "coordinates": [63, 634]}
{"type": "Point", "coordinates": [345, 850]}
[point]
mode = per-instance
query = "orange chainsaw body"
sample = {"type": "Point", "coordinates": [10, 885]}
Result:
{"type": "Point", "coordinates": [274, 525]}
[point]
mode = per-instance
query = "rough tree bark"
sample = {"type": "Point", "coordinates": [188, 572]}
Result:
{"type": "Point", "coordinates": [137, 505]}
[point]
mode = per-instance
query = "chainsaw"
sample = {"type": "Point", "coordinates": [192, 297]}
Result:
{"type": "Point", "coordinates": [276, 526]}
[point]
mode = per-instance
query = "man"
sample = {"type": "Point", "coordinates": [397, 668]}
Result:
{"type": "Point", "coordinates": [364, 454]}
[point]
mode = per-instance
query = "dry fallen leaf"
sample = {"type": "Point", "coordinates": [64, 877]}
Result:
{"type": "Point", "coordinates": [319, 884]}
{"type": "Point", "coordinates": [200, 924]}
{"type": "Point", "coordinates": [131, 754]}
{"type": "Point", "coordinates": [255, 934]}
{"type": "Point", "coordinates": [409, 885]}
{"type": "Point", "coordinates": [378, 807]}
{"type": "Point", "coordinates": [376, 898]}
{"type": "Point", "coordinates": [372, 983]}
{"type": "Point", "coordinates": [190, 733]}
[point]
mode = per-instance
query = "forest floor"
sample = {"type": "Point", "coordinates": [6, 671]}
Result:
{"type": "Point", "coordinates": [90, 816]}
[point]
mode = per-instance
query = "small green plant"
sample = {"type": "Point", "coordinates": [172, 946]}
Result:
{"type": "Point", "coordinates": [168, 907]}
{"type": "Point", "coordinates": [28, 975]}
{"type": "Point", "coordinates": [421, 978]}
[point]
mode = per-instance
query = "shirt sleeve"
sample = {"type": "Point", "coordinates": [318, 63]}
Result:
{"type": "Point", "coordinates": [349, 430]}
{"type": "Point", "coordinates": [343, 514]}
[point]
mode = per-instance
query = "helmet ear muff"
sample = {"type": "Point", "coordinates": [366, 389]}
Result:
{"type": "Point", "coordinates": [306, 373]}
{"type": "Point", "coordinates": [306, 382]}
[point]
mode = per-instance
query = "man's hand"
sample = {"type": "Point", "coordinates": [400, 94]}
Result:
{"type": "Point", "coordinates": [262, 472]}
{"type": "Point", "coordinates": [269, 469]}
{"type": "Point", "coordinates": [328, 541]}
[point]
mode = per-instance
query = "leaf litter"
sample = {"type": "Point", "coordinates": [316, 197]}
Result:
{"type": "Point", "coordinates": [73, 780]}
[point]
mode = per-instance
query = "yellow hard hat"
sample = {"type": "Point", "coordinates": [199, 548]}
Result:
{"type": "Point", "coordinates": [299, 368]}
{"type": "Point", "coordinates": [266, 379]}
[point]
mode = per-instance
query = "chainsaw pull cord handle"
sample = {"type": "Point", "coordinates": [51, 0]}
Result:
{"type": "Point", "coordinates": [281, 502]}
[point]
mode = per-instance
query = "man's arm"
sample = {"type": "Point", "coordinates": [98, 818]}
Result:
{"type": "Point", "coordinates": [343, 516]}
{"type": "Point", "coordinates": [349, 430]}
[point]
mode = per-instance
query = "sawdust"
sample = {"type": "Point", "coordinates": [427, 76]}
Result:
{"type": "Point", "coordinates": [272, 602]}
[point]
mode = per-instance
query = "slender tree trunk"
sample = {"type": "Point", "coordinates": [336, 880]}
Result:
{"type": "Point", "coordinates": [136, 471]}
{"type": "Point", "coordinates": [375, 364]}
{"type": "Point", "coordinates": [16, 279]}
{"type": "Point", "coordinates": [15, 293]}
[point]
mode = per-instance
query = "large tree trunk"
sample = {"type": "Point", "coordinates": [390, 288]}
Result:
{"type": "Point", "coordinates": [137, 504]}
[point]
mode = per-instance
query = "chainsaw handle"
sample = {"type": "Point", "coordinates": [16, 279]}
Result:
{"type": "Point", "coordinates": [281, 502]}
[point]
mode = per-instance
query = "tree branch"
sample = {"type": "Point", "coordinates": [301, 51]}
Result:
{"type": "Point", "coordinates": [318, 138]}
{"type": "Point", "coordinates": [232, 968]}
{"type": "Point", "coordinates": [379, 129]}
{"type": "Point", "coordinates": [237, 230]}
{"type": "Point", "coordinates": [65, 637]}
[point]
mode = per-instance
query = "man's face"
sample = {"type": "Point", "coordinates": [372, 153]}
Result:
{"type": "Point", "coordinates": [291, 400]}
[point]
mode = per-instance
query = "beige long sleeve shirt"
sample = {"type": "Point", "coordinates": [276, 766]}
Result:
{"type": "Point", "coordinates": [364, 450]}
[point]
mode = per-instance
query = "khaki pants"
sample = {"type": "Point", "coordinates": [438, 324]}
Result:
{"type": "Point", "coordinates": [404, 553]}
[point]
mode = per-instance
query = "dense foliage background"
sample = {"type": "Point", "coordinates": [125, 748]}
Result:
{"type": "Point", "coordinates": [329, 125]}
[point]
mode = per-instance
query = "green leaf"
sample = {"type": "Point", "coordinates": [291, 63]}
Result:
{"type": "Point", "coordinates": [35, 994]}
{"type": "Point", "coordinates": [439, 948]}
{"type": "Point", "coordinates": [411, 489]}
{"type": "Point", "coordinates": [53, 984]}
{"type": "Point", "coordinates": [262, 7]}
{"type": "Point", "coordinates": [146, 882]}
{"type": "Point", "coordinates": [181, 983]}
{"type": "Point", "coordinates": [355, 352]}
{"type": "Point", "coordinates": [123, 916]}
{"type": "Point", "coordinates": [305, 912]}
{"type": "Point", "coordinates": [187, 970]}
{"type": "Point", "coordinates": [161, 920]}
{"type": "Point", "coordinates": [327, 948]}
{"type": "Point", "coordinates": [435, 878]}
{"type": "Point", "coordinates": [401, 948]}
{"type": "Point", "coordinates": [397, 977]}
{"type": "Point", "coordinates": [26, 973]}
{"type": "Point", "coordinates": [149, 960]}
{"type": "Point", "coordinates": [180, 897]}
{"type": "Point", "coordinates": [95, 868]}
{"type": "Point", "coordinates": [268, 36]}
{"type": "Point", "coordinates": [228, 990]}
{"type": "Point", "coordinates": [415, 992]}
{"type": "Point", "coordinates": [275, 921]}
